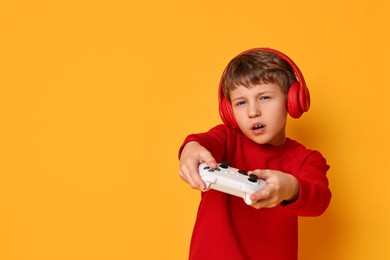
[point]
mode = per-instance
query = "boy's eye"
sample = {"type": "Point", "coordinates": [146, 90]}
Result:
{"type": "Point", "coordinates": [265, 97]}
{"type": "Point", "coordinates": [240, 103]}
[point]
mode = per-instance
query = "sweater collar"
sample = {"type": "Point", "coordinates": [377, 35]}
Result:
{"type": "Point", "coordinates": [277, 149]}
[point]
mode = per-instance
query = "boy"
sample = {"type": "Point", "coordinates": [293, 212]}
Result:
{"type": "Point", "coordinates": [258, 89]}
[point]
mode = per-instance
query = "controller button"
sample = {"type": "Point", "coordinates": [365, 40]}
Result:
{"type": "Point", "coordinates": [224, 165]}
{"type": "Point", "coordinates": [243, 172]}
{"type": "Point", "coordinates": [253, 178]}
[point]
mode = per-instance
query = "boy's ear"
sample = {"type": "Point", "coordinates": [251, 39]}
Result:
{"type": "Point", "coordinates": [226, 112]}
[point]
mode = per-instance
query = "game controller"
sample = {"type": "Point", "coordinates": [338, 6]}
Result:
{"type": "Point", "coordinates": [231, 180]}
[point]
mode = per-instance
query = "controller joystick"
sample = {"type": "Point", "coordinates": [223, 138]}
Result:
{"type": "Point", "coordinates": [231, 180]}
{"type": "Point", "coordinates": [253, 178]}
{"type": "Point", "coordinates": [224, 165]}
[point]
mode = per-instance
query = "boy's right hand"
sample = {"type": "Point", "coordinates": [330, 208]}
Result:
{"type": "Point", "coordinates": [191, 156]}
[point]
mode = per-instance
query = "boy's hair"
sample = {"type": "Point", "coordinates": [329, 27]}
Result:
{"type": "Point", "coordinates": [257, 67]}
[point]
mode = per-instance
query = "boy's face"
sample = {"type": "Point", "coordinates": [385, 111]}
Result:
{"type": "Point", "coordinates": [261, 113]}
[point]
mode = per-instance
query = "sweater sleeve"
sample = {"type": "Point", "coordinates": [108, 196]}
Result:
{"type": "Point", "coordinates": [214, 141]}
{"type": "Point", "coordinates": [314, 193]}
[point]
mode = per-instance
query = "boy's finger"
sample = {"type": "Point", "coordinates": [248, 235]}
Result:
{"type": "Point", "coordinates": [195, 178]}
{"type": "Point", "coordinates": [262, 174]}
{"type": "Point", "coordinates": [262, 194]}
{"type": "Point", "coordinates": [209, 160]}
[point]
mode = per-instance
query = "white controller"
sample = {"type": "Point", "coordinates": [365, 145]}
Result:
{"type": "Point", "coordinates": [231, 181]}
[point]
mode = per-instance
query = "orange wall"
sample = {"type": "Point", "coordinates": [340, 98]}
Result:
{"type": "Point", "coordinates": [96, 97]}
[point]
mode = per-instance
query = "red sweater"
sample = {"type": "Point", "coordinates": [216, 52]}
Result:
{"type": "Point", "coordinates": [226, 228]}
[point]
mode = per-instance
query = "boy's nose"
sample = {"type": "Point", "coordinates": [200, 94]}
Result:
{"type": "Point", "coordinates": [254, 111]}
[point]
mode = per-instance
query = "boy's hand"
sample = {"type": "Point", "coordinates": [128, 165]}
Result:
{"type": "Point", "coordinates": [280, 187]}
{"type": "Point", "coordinates": [192, 155]}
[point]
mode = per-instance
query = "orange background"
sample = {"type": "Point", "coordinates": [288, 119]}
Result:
{"type": "Point", "coordinates": [97, 96]}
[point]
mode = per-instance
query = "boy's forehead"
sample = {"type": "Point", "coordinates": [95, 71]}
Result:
{"type": "Point", "coordinates": [263, 87]}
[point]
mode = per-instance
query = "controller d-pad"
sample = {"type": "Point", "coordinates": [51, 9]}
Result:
{"type": "Point", "coordinates": [211, 169]}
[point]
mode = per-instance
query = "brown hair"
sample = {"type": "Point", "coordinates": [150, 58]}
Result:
{"type": "Point", "coordinates": [257, 67]}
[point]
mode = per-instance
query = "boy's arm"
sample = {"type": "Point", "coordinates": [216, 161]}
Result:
{"type": "Point", "coordinates": [314, 192]}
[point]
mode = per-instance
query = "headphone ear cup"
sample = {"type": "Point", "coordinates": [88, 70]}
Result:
{"type": "Point", "coordinates": [304, 99]}
{"type": "Point", "coordinates": [293, 106]}
{"type": "Point", "coordinates": [226, 113]}
{"type": "Point", "coordinates": [298, 100]}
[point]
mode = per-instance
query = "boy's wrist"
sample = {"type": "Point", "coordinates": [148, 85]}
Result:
{"type": "Point", "coordinates": [294, 194]}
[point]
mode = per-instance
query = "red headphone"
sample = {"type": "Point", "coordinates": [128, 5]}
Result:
{"type": "Point", "coordinates": [298, 100]}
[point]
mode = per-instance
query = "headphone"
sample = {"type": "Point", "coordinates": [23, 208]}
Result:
{"type": "Point", "coordinates": [298, 97]}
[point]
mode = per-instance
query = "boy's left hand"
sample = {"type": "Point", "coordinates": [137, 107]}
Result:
{"type": "Point", "coordinates": [280, 187]}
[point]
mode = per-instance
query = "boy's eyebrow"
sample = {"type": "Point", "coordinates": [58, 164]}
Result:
{"type": "Point", "coordinates": [237, 98]}
{"type": "Point", "coordinates": [257, 94]}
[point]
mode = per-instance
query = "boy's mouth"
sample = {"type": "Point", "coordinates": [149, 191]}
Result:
{"type": "Point", "coordinates": [257, 127]}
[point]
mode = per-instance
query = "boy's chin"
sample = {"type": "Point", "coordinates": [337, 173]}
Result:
{"type": "Point", "coordinates": [269, 141]}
